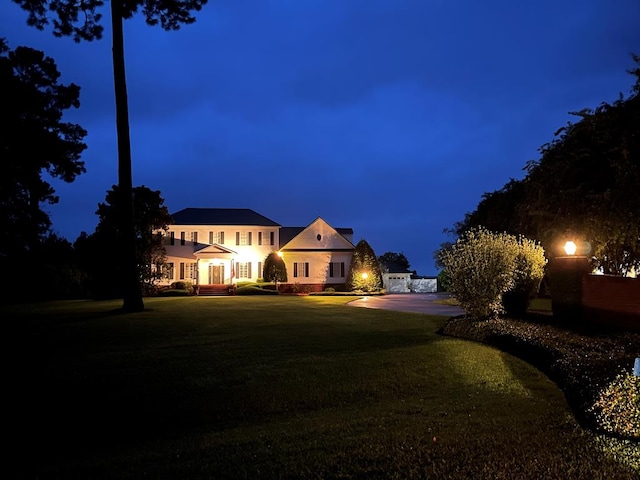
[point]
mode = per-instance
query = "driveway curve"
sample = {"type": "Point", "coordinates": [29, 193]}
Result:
{"type": "Point", "coordinates": [410, 302]}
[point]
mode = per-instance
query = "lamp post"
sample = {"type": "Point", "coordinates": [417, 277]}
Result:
{"type": "Point", "coordinates": [565, 281]}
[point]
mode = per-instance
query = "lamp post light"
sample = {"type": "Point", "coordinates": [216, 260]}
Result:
{"type": "Point", "coordinates": [565, 282]}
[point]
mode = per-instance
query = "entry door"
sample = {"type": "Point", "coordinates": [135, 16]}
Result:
{"type": "Point", "coordinates": [216, 274]}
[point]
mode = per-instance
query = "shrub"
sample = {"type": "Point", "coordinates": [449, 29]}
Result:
{"type": "Point", "coordinates": [330, 290]}
{"type": "Point", "coordinates": [482, 266]}
{"type": "Point", "coordinates": [274, 269]}
{"type": "Point", "coordinates": [254, 290]}
{"type": "Point", "coordinates": [618, 406]}
{"type": "Point", "coordinates": [173, 292]}
{"type": "Point", "coordinates": [182, 285]}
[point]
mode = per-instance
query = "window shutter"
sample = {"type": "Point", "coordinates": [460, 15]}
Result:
{"type": "Point", "coordinates": [221, 235]}
{"type": "Point", "coordinates": [182, 235]}
{"type": "Point", "coordinates": [248, 238]}
{"type": "Point", "coordinates": [195, 238]}
{"type": "Point", "coordinates": [259, 238]}
{"type": "Point", "coordinates": [249, 270]}
{"type": "Point", "coordinates": [260, 272]}
{"type": "Point", "coordinates": [295, 269]}
{"type": "Point", "coordinates": [342, 269]}
{"type": "Point", "coordinates": [172, 238]}
{"type": "Point", "coordinates": [306, 269]}
{"type": "Point", "coordinates": [181, 270]}
{"type": "Point", "coordinates": [237, 238]}
{"type": "Point", "coordinates": [272, 238]}
{"type": "Point", "coordinates": [210, 238]}
{"type": "Point", "coordinates": [331, 269]}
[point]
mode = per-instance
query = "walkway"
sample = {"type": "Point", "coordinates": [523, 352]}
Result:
{"type": "Point", "coordinates": [410, 302]}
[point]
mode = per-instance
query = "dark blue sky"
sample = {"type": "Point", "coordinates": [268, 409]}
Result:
{"type": "Point", "coordinates": [388, 116]}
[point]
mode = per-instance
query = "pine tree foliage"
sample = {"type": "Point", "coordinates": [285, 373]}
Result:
{"type": "Point", "coordinates": [364, 272]}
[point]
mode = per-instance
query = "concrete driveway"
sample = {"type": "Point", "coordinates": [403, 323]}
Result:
{"type": "Point", "coordinates": [410, 302]}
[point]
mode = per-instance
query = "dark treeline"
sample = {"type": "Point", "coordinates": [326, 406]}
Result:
{"type": "Point", "coordinates": [585, 187]}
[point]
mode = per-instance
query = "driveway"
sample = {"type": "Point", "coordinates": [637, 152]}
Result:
{"type": "Point", "coordinates": [410, 302]}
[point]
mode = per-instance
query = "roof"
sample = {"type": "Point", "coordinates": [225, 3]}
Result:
{"type": "Point", "coordinates": [221, 216]}
{"type": "Point", "coordinates": [289, 233]}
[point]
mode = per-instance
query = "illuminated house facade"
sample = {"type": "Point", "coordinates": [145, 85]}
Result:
{"type": "Point", "coordinates": [221, 246]}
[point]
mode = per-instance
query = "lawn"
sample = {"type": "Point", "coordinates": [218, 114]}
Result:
{"type": "Point", "coordinates": [279, 387]}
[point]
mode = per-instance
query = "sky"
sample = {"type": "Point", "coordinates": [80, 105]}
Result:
{"type": "Point", "coordinates": [392, 117]}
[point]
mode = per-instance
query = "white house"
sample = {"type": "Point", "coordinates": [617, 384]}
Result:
{"type": "Point", "coordinates": [221, 246]}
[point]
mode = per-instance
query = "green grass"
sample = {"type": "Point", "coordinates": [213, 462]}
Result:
{"type": "Point", "coordinates": [279, 387]}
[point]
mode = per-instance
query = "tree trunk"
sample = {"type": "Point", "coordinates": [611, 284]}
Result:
{"type": "Point", "coordinates": [132, 297]}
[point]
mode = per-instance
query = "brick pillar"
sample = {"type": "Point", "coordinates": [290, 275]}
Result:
{"type": "Point", "coordinates": [565, 283]}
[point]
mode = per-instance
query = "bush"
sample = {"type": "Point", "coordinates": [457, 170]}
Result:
{"type": "Point", "coordinates": [482, 266]}
{"type": "Point", "coordinates": [254, 290]}
{"type": "Point", "coordinates": [364, 271]}
{"type": "Point", "coordinates": [618, 407]}
{"type": "Point", "coordinates": [174, 292]}
{"type": "Point", "coordinates": [330, 290]}
{"type": "Point", "coordinates": [182, 285]}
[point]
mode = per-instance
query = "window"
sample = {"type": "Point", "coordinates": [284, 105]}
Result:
{"type": "Point", "coordinates": [182, 237]}
{"type": "Point", "coordinates": [266, 238]}
{"type": "Point", "coordinates": [192, 270]}
{"type": "Point", "coordinates": [172, 238]}
{"type": "Point", "coordinates": [244, 269]}
{"type": "Point", "coordinates": [301, 269]}
{"type": "Point", "coordinates": [168, 271]}
{"type": "Point", "coordinates": [336, 269]}
{"type": "Point", "coordinates": [194, 238]}
{"type": "Point", "coordinates": [243, 238]}
{"type": "Point", "coordinates": [216, 237]}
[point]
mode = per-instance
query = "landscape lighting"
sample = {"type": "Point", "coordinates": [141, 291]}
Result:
{"type": "Point", "coordinates": [570, 248]}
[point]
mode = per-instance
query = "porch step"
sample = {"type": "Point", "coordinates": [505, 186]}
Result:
{"type": "Point", "coordinates": [214, 290]}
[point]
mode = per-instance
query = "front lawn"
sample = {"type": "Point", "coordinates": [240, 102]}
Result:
{"type": "Point", "coordinates": [278, 387]}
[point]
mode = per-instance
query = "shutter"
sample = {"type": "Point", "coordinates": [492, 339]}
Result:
{"type": "Point", "coordinates": [221, 235]}
{"type": "Point", "coordinates": [342, 269]}
{"type": "Point", "coordinates": [331, 269]}
{"type": "Point", "coordinates": [295, 269]}
{"type": "Point", "coordinates": [210, 238]}
{"type": "Point", "coordinates": [172, 238]}
{"type": "Point", "coordinates": [182, 235]}
{"type": "Point", "coordinates": [306, 269]}
{"type": "Point", "coordinates": [272, 238]}
{"type": "Point", "coordinates": [259, 238]}
{"type": "Point", "coordinates": [249, 270]}
{"type": "Point", "coordinates": [237, 238]}
{"type": "Point", "coordinates": [195, 238]}
{"type": "Point", "coordinates": [248, 238]}
{"type": "Point", "coordinates": [181, 270]}
{"type": "Point", "coordinates": [260, 272]}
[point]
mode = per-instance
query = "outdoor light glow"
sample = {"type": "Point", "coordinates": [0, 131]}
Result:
{"type": "Point", "coordinates": [365, 275]}
{"type": "Point", "coordinates": [570, 248]}
{"type": "Point", "coordinates": [280, 254]}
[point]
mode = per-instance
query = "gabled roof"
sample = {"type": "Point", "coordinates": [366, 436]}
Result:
{"type": "Point", "coordinates": [215, 248]}
{"type": "Point", "coordinates": [289, 233]}
{"type": "Point", "coordinates": [317, 235]}
{"type": "Point", "coordinates": [221, 216]}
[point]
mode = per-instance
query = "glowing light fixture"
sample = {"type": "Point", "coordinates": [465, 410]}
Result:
{"type": "Point", "coordinates": [365, 275]}
{"type": "Point", "coordinates": [570, 248]}
{"type": "Point", "coordinates": [280, 254]}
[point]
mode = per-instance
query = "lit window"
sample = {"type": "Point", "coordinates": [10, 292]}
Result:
{"type": "Point", "coordinates": [301, 269]}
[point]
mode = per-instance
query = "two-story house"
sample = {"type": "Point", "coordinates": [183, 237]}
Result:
{"type": "Point", "coordinates": [221, 246]}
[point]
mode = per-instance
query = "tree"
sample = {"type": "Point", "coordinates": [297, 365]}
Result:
{"type": "Point", "coordinates": [483, 266]}
{"type": "Point", "coordinates": [33, 140]}
{"type": "Point", "coordinates": [364, 272]}
{"type": "Point", "coordinates": [583, 187]}
{"type": "Point", "coordinates": [151, 221]}
{"type": "Point", "coordinates": [394, 261]}
{"type": "Point", "coordinates": [81, 20]}
{"type": "Point", "coordinates": [274, 269]}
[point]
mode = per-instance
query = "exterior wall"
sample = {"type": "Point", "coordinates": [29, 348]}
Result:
{"type": "Point", "coordinates": [319, 270]}
{"type": "Point", "coordinates": [610, 300]}
{"type": "Point", "coordinates": [187, 253]}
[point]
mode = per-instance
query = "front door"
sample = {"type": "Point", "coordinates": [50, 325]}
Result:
{"type": "Point", "coordinates": [216, 274]}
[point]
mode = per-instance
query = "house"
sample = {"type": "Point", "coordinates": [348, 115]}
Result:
{"type": "Point", "coordinates": [221, 246]}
